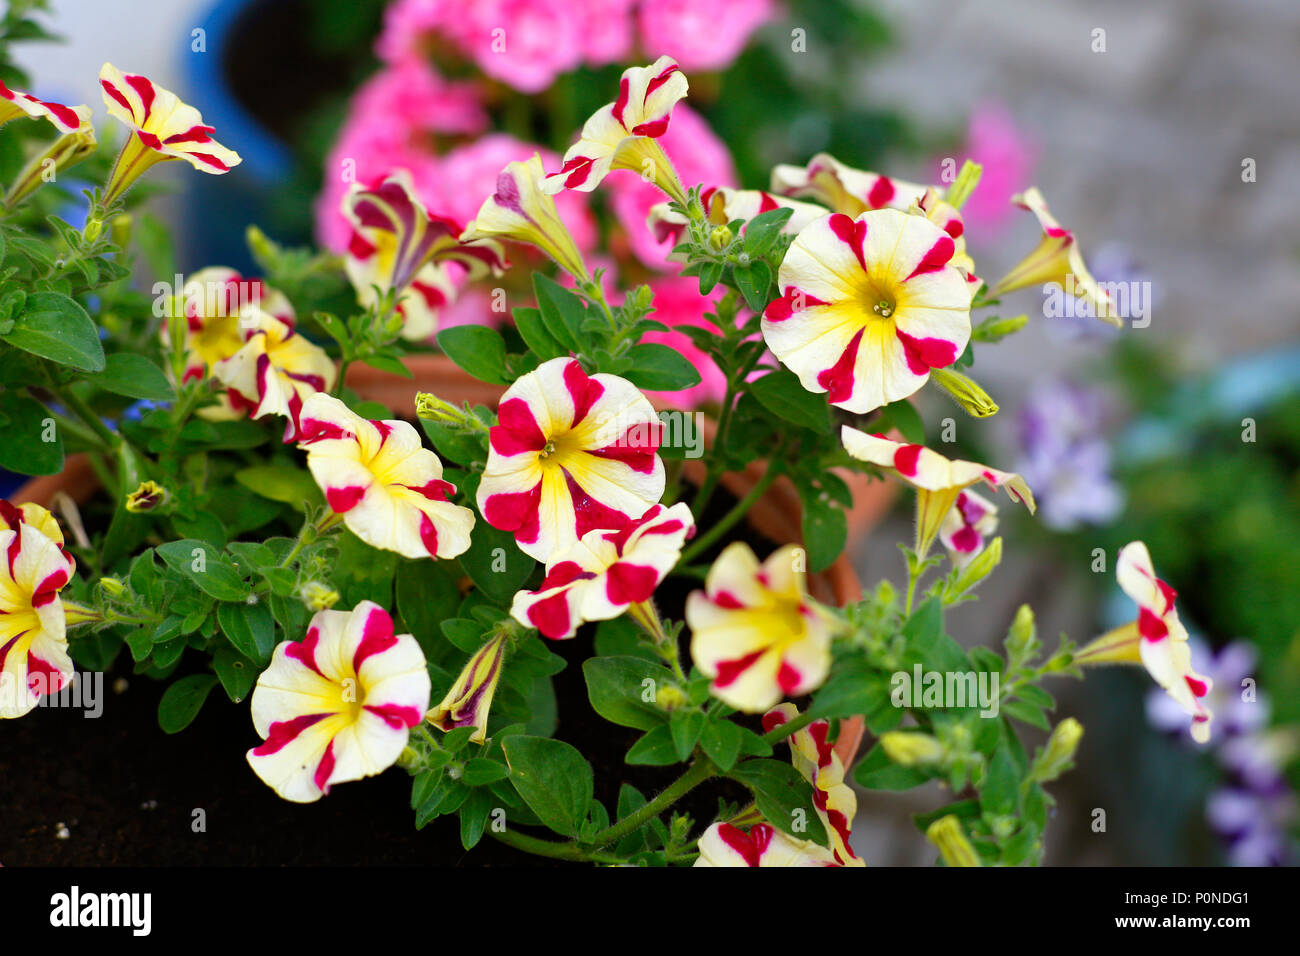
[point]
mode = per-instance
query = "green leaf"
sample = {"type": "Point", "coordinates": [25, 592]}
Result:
{"type": "Point", "coordinates": [235, 671]}
{"type": "Point", "coordinates": [783, 796]}
{"type": "Point", "coordinates": [825, 528]}
{"type": "Point", "coordinates": [426, 596]}
{"type": "Point", "coordinates": [26, 424]}
{"type": "Point", "coordinates": [554, 779]}
{"type": "Point", "coordinates": [659, 368]}
{"type": "Point", "coordinates": [616, 687]}
{"type": "Point", "coordinates": [55, 326]}
{"type": "Point", "coordinates": [1027, 713]}
{"type": "Point", "coordinates": [207, 567]}
{"type": "Point", "coordinates": [477, 349]}
{"type": "Point", "coordinates": [474, 815]}
{"type": "Point", "coordinates": [782, 394]}
{"type": "Point", "coordinates": [1000, 792]}
{"type": "Point", "coordinates": [249, 628]}
{"type": "Point", "coordinates": [753, 281]}
{"type": "Point", "coordinates": [876, 771]}
{"type": "Point", "coordinates": [480, 771]}
{"type": "Point", "coordinates": [562, 312]}
{"type": "Point", "coordinates": [655, 749]}
{"type": "Point", "coordinates": [721, 741]}
{"type": "Point", "coordinates": [762, 230]}
{"type": "Point", "coordinates": [283, 483]}
{"type": "Point", "coordinates": [134, 376]}
{"type": "Point", "coordinates": [495, 564]}
{"type": "Point", "coordinates": [181, 702]}
{"type": "Point", "coordinates": [535, 334]}
{"type": "Point", "coordinates": [903, 416]}
{"type": "Point", "coordinates": [928, 645]}
{"type": "Point", "coordinates": [685, 726]}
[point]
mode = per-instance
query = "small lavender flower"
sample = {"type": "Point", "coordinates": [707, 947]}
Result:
{"type": "Point", "coordinates": [1254, 825]}
{"type": "Point", "coordinates": [1064, 459]}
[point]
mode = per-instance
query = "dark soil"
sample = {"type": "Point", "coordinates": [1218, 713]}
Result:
{"type": "Point", "coordinates": [126, 793]}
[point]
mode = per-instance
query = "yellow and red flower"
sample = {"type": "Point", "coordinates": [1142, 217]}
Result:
{"type": "Point", "coordinates": [756, 632]}
{"type": "Point", "coordinates": [274, 371]}
{"type": "Point", "coordinates": [399, 247]}
{"type": "Point", "coordinates": [1057, 259]}
{"type": "Point", "coordinates": [624, 134]}
{"type": "Point", "coordinates": [937, 480]}
{"type": "Point", "coordinates": [337, 705]}
{"type": "Point", "coordinates": [572, 453]}
{"type": "Point", "coordinates": [34, 567]}
{"type": "Point", "coordinates": [842, 188]}
{"type": "Point", "coordinates": [868, 307]}
{"type": "Point", "coordinates": [1157, 639]}
{"type": "Point", "coordinates": [763, 845]}
{"type": "Point", "coordinates": [605, 573]}
{"type": "Point", "coordinates": [521, 211]}
{"type": "Point", "coordinates": [816, 760]}
{"type": "Point", "coordinates": [968, 526]}
{"type": "Point", "coordinates": [66, 119]}
{"type": "Point", "coordinates": [216, 304]}
{"type": "Point", "coordinates": [387, 486]}
{"type": "Point", "coordinates": [161, 128]}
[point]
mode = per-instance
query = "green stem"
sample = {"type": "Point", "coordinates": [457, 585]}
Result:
{"type": "Point", "coordinates": [552, 849]}
{"type": "Point", "coordinates": [83, 411]}
{"type": "Point", "coordinates": [706, 540]}
{"type": "Point", "coordinates": [700, 771]}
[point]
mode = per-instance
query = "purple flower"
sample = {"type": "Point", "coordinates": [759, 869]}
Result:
{"type": "Point", "coordinates": [1064, 459]}
{"type": "Point", "coordinates": [1254, 825]}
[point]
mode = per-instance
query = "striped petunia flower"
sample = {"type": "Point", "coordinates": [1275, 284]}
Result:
{"type": "Point", "coordinates": [1157, 639]}
{"type": "Point", "coordinates": [387, 486]}
{"type": "Point", "coordinates": [399, 247]}
{"type": "Point", "coordinates": [217, 304]}
{"type": "Point", "coordinates": [337, 705]}
{"type": "Point", "coordinates": [572, 453]}
{"type": "Point", "coordinates": [469, 701]}
{"type": "Point", "coordinates": [868, 307]}
{"type": "Point", "coordinates": [723, 205]}
{"type": "Point", "coordinates": [1056, 259]}
{"type": "Point", "coordinates": [816, 760]}
{"type": "Point", "coordinates": [161, 128]}
{"type": "Point", "coordinates": [274, 371]}
{"type": "Point", "coordinates": [947, 217]}
{"type": "Point", "coordinates": [624, 134]}
{"type": "Point", "coordinates": [605, 573]}
{"type": "Point", "coordinates": [66, 119]}
{"type": "Point", "coordinates": [34, 657]}
{"type": "Point", "coordinates": [967, 527]}
{"type": "Point", "coordinates": [521, 211]}
{"type": "Point", "coordinates": [937, 480]}
{"type": "Point", "coordinates": [842, 188]}
{"type": "Point", "coordinates": [756, 632]}
{"type": "Point", "coordinates": [763, 845]}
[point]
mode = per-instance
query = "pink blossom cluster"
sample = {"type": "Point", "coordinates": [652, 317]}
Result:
{"type": "Point", "coordinates": [526, 44]}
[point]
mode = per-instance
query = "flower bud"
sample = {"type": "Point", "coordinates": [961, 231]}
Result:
{"type": "Point", "coordinates": [1021, 640]}
{"type": "Point", "coordinates": [113, 586]}
{"type": "Point", "coordinates": [965, 391]}
{"type": "Point", "coordinates": [720, 238]}
{"type": "Point", "coordinates": [669, 697]}
{"type": "Point", "coordinates": [909, 749]}
{"type": "Point", "coordinates": [995, 329]}
{"type": "Point", "coordinates": [150, 496]}
{"type": "Point", "coordinates": [980, 567]}
{"type": "Point", "coordinates": [316, 596]}
{"type": "Point", "coordinates": [946, 833]}
{"type": "Point", "coordinates": [1058, 756]}
{"type": "Point", "coordinates": [120, 229]}
{"type": "Point", "coordinates": [470, 698]}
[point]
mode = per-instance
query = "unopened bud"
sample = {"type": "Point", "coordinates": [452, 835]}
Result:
{"type": "Point", "coordinates": [720, 238]}
{"type": "Point", "coordinates": [1058, 756]}
{"type": "Point", "coordinates": [946, 833]}
{"type": "Point", "coordinates": [995, 328]}
{"type": "Point", "coordinates": [965, 391]}
{"type": "Point", "coordinates": [150, 496]}
{"type": "Point", "coordinates": [113, 586]}
{"type": "Point", "coordinates": [910, 749]}
{"type": "Point", "coordinates": [120, 230]}
{"type": "Point", "coordinates": [316, 596]}
{"type": "Point", "coordinates": [1021, 641]}
{"type": "Point", "coordinates": [980, 567]}
{"type": "Point", "coordinates": [670, 697]}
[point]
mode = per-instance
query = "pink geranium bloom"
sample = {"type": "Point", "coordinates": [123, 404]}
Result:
{"type": "Point", "coordinates": [523, 43]}
{"type": "Point", "coordinates": [607, 31]}
{"type": "Point", "coordinates": [678, 303]}
{"type": "Point", "coordinates": [408, 23]}
{"type": "Point", "coordinates": [701, 34]}
{"type": "Point", "coordinates": [699, 156]}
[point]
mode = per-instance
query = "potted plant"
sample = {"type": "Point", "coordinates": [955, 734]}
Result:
{"type": "Point", "coordinates": [264, 532]}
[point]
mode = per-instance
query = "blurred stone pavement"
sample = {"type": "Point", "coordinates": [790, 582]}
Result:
{"type": "Point", "coordinates": [1140, 145]}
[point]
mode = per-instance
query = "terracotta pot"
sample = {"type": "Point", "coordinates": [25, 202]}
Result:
{"type": "Point", "coordinates": [775, 516]}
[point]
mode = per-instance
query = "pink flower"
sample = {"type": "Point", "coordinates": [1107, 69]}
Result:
{"type": "Point", "coordinates": [607, 31]}
{"type": "Point", "coordinates": [701, 34]}
{"type": "Point", "coordinates": [414, 93]}
{"type": "Point", "coordinates": [993, 141]}
{"type": "Point", "coordinates": [523, 43]}
{"type": "Point", "coordinates": [678, 302]}
{"type": "Point", "coordinates": [698, 155]}
{"type": "Point", "coordinates": [408, 23]}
